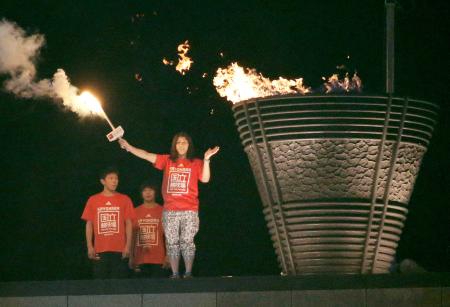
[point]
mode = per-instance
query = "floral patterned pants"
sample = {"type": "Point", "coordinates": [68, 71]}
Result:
{"type": "Point", "coordinates": [180, 228]}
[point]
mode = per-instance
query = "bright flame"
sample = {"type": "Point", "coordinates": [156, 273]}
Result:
{"type": "Point", "coordinates": [184, 62]}
{"type": "Point", "coordinates": [89, 104]}
{"type": "Point", "coordinates": [237, 83]}
{"type": "Point", "coordinates": [347, 84]}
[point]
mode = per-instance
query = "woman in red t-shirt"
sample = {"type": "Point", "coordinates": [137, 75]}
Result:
{"type": "Point", "coordinates": [180, 192]}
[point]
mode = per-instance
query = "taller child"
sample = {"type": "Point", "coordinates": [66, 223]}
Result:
{"type": "Point", "coordinates": [180, 193]}
{"type": "Point", "coordinates": [108, 217]}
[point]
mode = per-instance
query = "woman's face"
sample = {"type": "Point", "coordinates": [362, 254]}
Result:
{"type": "Point", "coordinates": [182, 146]}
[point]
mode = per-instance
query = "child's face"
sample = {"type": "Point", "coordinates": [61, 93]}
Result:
{"type": "Point", "coordinates": [148, 194]}
{"type": "Point", "coordinates": [182, 146]}
{"type": "Point", "coordinates": [110, 182]}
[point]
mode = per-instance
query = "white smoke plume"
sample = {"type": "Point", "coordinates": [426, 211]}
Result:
{"type": "Point", "coordinates": [18, 56]}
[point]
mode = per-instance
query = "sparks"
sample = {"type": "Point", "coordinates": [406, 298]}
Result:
{"type": "Point", "coordinates": [167, 62]}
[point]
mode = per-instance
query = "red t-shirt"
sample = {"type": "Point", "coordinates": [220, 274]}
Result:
{"type": "Point", "coordinates": [108, 215]}
{"type": "Point", "coordinates": [180, 182]}
{"type": "Point", "coordinates": [149, 246]}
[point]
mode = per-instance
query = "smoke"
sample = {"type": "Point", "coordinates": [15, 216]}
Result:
{"type": "Point", "coordinates": [18, 56]}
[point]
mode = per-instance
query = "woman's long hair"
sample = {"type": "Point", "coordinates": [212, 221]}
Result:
{"type": "Point", "coordinates": [173, 149]}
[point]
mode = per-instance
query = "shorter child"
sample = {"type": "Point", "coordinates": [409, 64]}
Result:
{"type": "Point", "coordinates": [149, 252]}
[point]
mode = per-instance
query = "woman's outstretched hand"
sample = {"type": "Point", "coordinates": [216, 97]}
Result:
{"type": "Point", "coordinates": [211, 152]}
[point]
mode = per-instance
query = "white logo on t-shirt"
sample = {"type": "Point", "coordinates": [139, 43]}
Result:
{"type": "Point", "coordinates": [108, 221]}
{"type": "Point", "coordinates": [148, 234]}
{"type": "Point", "coordinates": [178, 181]}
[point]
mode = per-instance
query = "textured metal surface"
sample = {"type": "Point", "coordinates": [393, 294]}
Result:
{"type": "Point", "coordinates": [329, 206]}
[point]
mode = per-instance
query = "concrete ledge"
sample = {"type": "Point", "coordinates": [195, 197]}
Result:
{"type": "Point", "coordinates": [404, 297]}
{"type": "Point", "coordinates": [325, 298]}
{"type": "Point", "coordinates": [446, 297]}
{"type": "Point", "coordinates": [180, 299]}
{"type": "Point", "coordinates": [222, 284]}
{"type": "Point", "coordinates": [105, 300]}
{"type": "Point", "coordinates": [34, 301]}
{"type": "Point", "coordinates": [260, 299]}
{"type": "Point", "coordinates": [426, 289]}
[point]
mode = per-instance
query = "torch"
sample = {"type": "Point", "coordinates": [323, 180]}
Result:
{"type": "Point", "coordinates": [116, 133]}
{"type": "Point", "coordinates": [95, 107]}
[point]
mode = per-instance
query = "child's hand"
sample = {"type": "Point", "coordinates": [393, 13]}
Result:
{"type": "Point", "coordinates": [92, 255]}
{"type": "Point", "coordinates": [126, 253]}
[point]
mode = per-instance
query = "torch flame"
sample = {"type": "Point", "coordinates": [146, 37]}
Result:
{"type": "Point", "coordinates": [90, 104]}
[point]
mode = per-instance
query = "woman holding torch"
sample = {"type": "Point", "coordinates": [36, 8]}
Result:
{"type": "Point", "coordinates": [180, 193]}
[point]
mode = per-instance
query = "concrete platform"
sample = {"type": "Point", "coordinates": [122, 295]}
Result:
{"type": "Point", "coordinates": [426, 289]}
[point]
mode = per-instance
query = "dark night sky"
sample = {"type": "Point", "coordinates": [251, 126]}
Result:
{"type": "Point", "coordinates": [50, 158]}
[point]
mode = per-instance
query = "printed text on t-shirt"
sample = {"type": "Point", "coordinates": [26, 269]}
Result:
{"type": "Point", "coordinates": [148, 230]}
{"type": "Point", "coordinates": [178, 180]}
{"type": "Point", "coordinates": [108, 220]}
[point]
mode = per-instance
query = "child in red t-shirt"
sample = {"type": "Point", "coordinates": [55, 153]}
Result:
{"type": "Point", "coordinates": [108, 217]}
{"type": "Point", "coordinates": [149, 252]}
{"type": "Point", "coordinates": [180, 192]}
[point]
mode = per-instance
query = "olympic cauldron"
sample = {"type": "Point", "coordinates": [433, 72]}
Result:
{"type": "Point", "coordinates": [335, 174]}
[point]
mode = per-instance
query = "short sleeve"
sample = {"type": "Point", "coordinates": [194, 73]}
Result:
{"type": "Point", "coordinates": [161, 161]}
{"type": "Point", "coordinates": [129, 209]}
{"type": "Point", "coordinates": [87, 212]}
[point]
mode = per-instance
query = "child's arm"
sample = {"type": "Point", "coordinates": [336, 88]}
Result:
{"type": "Point", "coordinates": [89, 237]}
{"type": "Point", "coordinates": [129, 234]}
{"type": "Point", "coordinates": [131, 262]}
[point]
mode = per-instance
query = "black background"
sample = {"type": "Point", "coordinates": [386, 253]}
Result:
{"type": "Point", "coordinates": [50, 158]}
